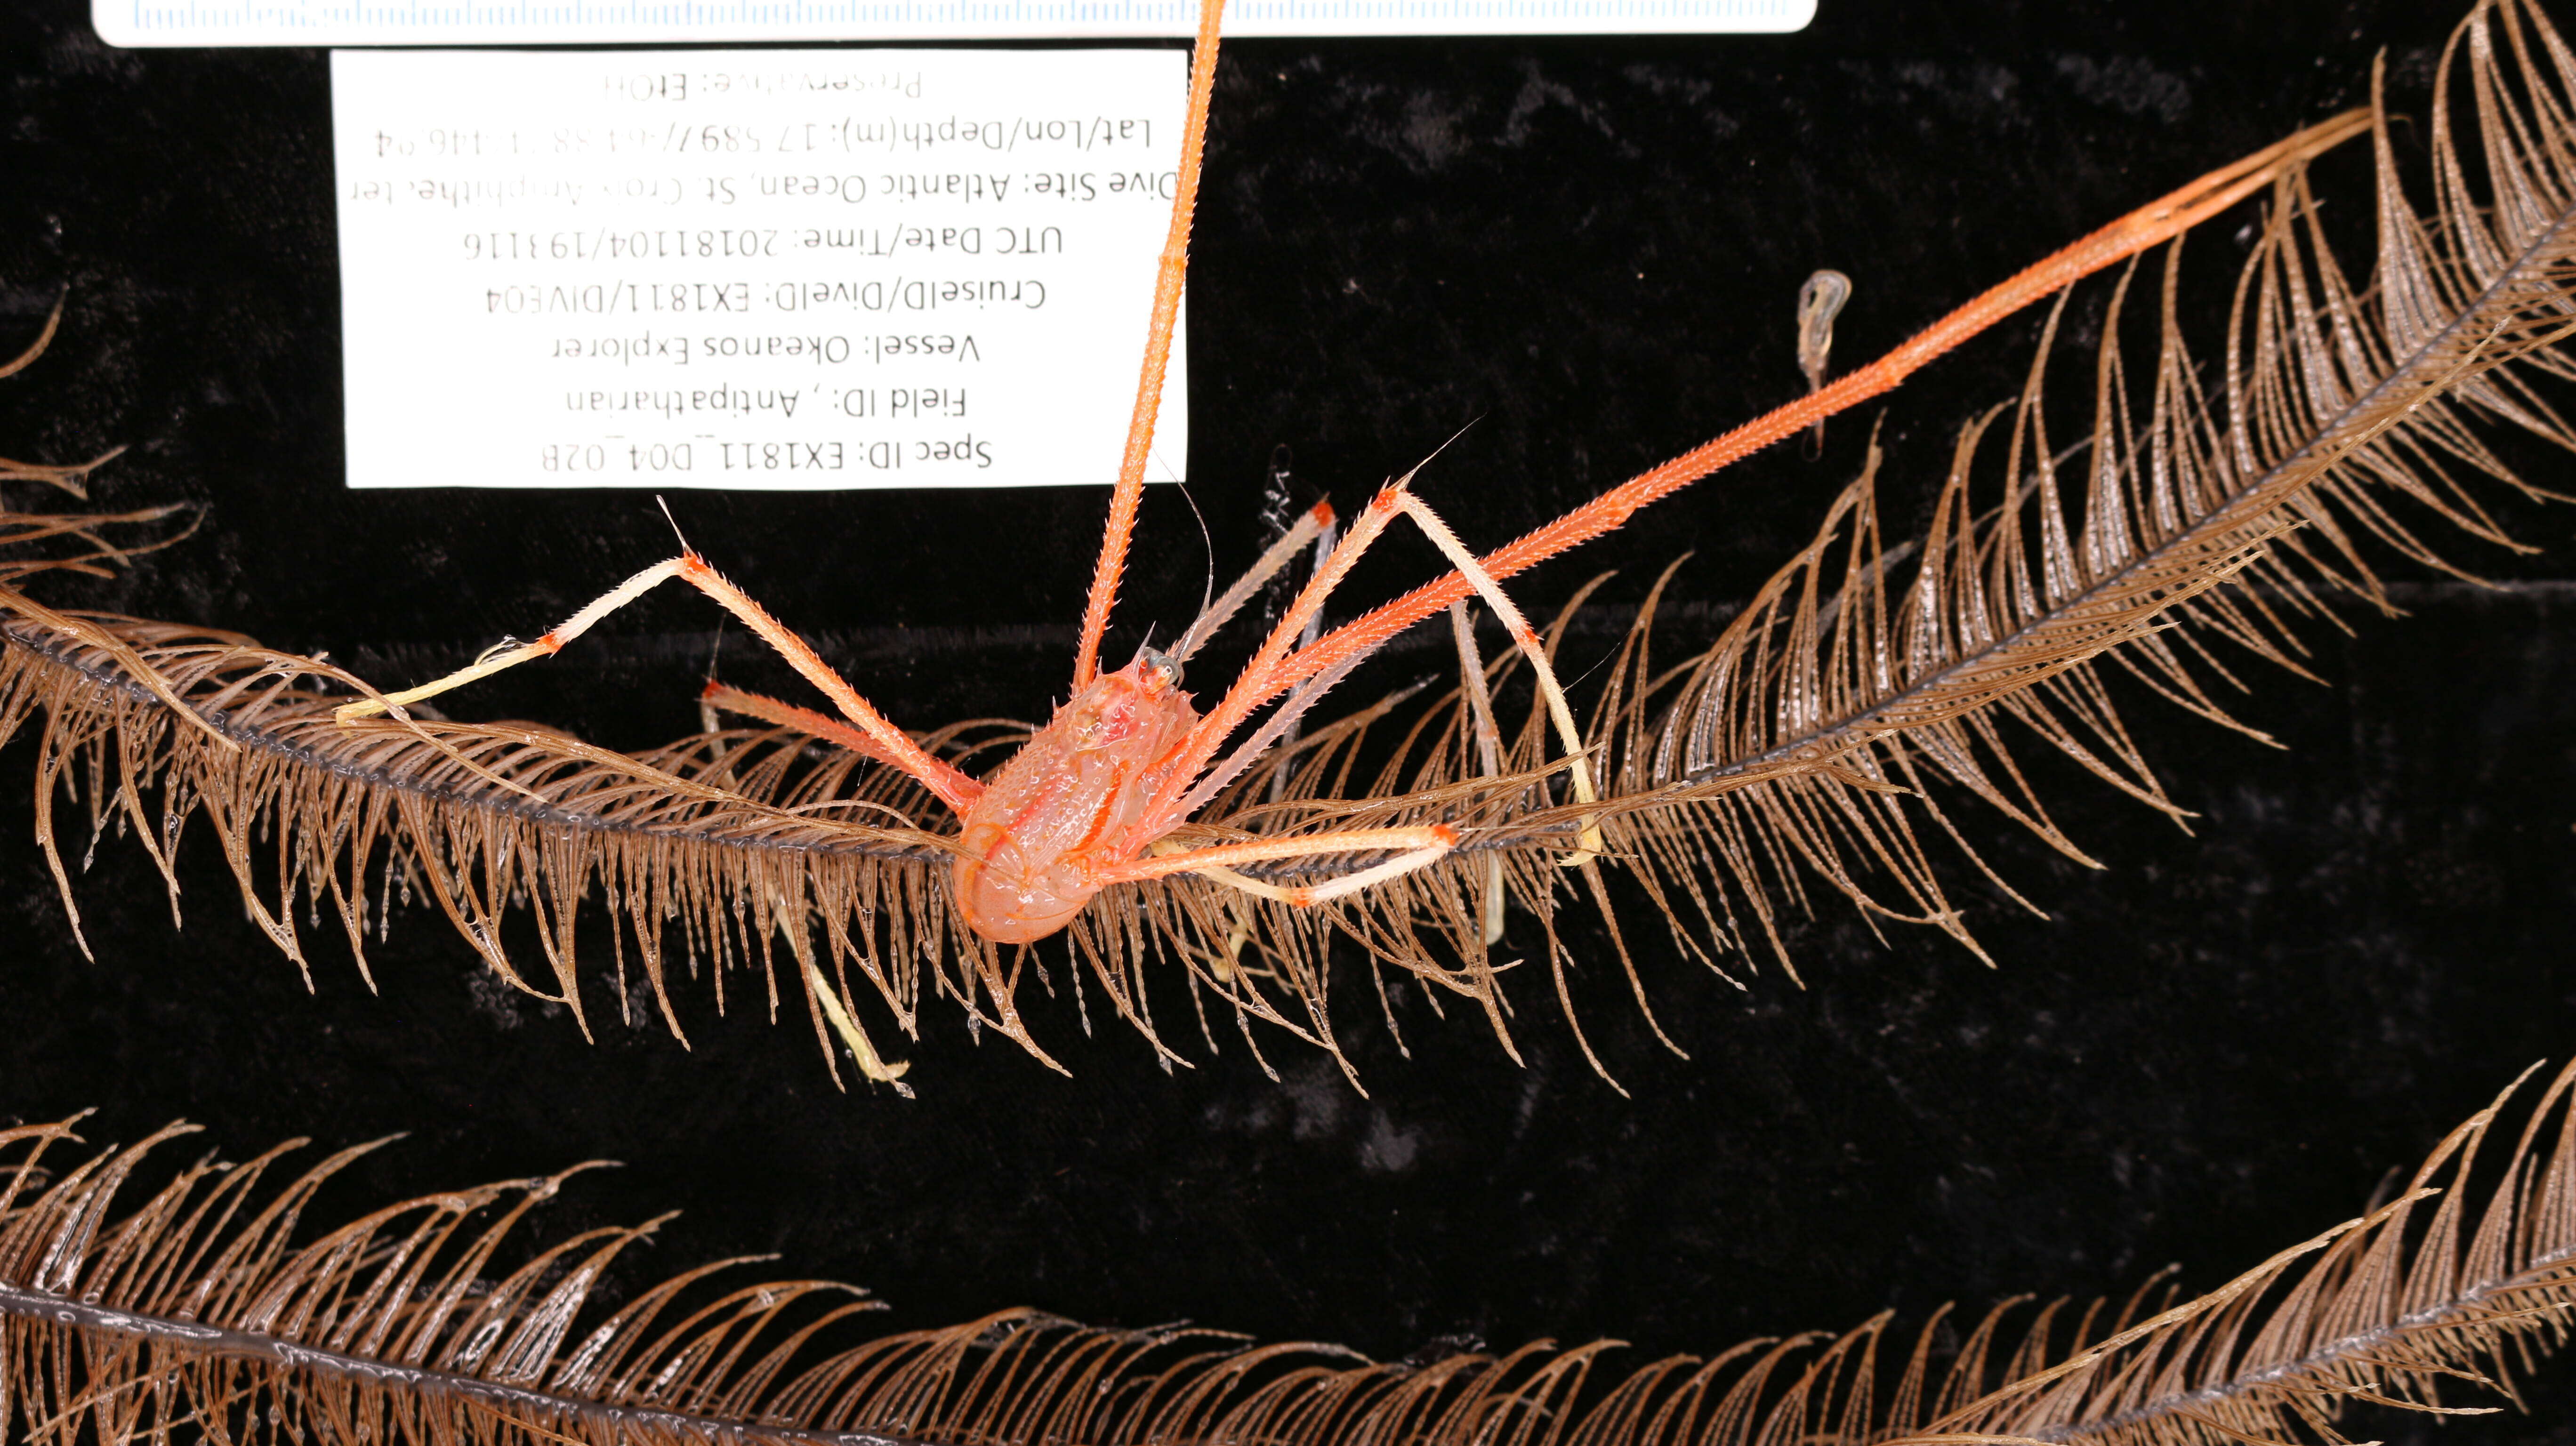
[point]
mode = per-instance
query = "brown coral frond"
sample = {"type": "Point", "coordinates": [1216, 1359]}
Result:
{"type": "Point", "coordinates": [213, 1308]}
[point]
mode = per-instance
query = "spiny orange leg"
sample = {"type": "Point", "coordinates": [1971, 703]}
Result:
{"type": "Point", "coordinates": [1181, 797]}
{"type": "Point", "coordinates": [2149, 225]}
{"type": "Point", "coordinates": [1168, 275]}
{"type": "Point", "coordinates": [952, 787]}
{"type": "Point", "coordinates": [1281, 724]}
{"type": "Point", "coordinates": [1421, 846]}
{"type": "Point", "coordinates": [804, 720]}
{"type": "Point", "coordinates": [1188, 789]}
{"type": "Point", "coordinates": [1314, 629]}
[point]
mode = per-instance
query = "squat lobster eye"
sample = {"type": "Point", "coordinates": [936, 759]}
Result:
{"type": "Point", "coordinates": [1161, 671]}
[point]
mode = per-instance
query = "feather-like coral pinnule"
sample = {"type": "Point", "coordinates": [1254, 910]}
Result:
{"type": "Point", "coordinates": [211, 1304]}
{"type": "Point", "coordinates": [2224, 480]}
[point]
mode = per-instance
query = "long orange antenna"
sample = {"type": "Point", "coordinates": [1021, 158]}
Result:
{"type": "Point", "coordinates": [1168, 276]}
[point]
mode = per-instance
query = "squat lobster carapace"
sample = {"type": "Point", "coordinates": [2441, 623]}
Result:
{"type": "Point", "coordinates": [1035, 844]}
{"type": "Point", "coordinates": [1093, 799]}
{"type": "Point", "coordinates": [1063, 819]}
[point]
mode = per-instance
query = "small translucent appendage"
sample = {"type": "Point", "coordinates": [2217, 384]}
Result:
{"type": "Point", "coordinates": [1058, 808]}
{"type": "Point", "coordinates": [1819, 302]}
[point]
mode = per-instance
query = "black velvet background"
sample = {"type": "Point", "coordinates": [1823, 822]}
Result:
{"type": "Point", "coordinates": [1589, 248]}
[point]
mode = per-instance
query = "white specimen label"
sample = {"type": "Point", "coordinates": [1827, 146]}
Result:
{"type": "Point", "coordinates": [752, 269]}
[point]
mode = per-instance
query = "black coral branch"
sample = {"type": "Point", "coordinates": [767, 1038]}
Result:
{"type": "Point", "coordinates": [2462, 1281]}
{"type": "Point", "coordinates": [213, 1308]}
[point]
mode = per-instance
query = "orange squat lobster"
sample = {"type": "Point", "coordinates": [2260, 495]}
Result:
{"type": "Point", "coordinates": [1090, 800]}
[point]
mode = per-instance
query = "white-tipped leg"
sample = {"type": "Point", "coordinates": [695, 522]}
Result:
{"type": "Point", "coordinates": [1421, 846]}
{"type": "Point", "coordinates": [511, 655]}
{"type": "Point", "coordinates": [1489, 749]}
{"type": "Point", "coordinates": [952, 787]}
{"type": "Point", "coordinates": [871, 1063]}
{"type": "Point", "coordinates": [1588, 844]}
